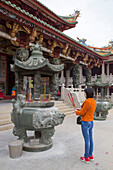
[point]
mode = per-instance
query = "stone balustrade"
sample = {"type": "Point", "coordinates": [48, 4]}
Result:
{"type": "Point", "coordinates": [77, 93]}
{"type": "Point", "coordinates": [107, 78]}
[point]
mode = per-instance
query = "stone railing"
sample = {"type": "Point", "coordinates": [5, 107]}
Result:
{"type": "Point", "coordinates": [107, 78]}
{"type": "Point", "coordinates": [77, 93]}
{"type": "Point", "coordinates": [111, 100]}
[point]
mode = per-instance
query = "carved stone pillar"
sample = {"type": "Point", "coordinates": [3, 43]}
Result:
{"type": "Point", "coordinates": [16, 82]}
{"type": "Point", "coordinates": [62, 77]}
{"type": "Point", "coordinates": [107, 77]}
{"type": "Point", "coordinates": [54, 80]}
{"type": "Point", "coordinates": [108, 69]}
{"type": "Point", "coordinates": [67, 78]}
{"type": "Point", "coordinates": [37, 85]}
{"type": "Point", "coordinates": [51, 86]}
{"type": "Point", "coordinates": [20, 84]}
{"type": "Point", "coordinates": [103, 72]}
{"type": "Point", "coordinates": [76, 76]}
{"type": "Point", "coordinates": [81, 76]}
{"type": "Point", "coordinates": [24, 85]}
{"type": "Point", "coordinates": [102, 93]}
{"type": "Point", "coordinates": [54, 86]}
{"type": "Point", "coordinates": [88, 75]}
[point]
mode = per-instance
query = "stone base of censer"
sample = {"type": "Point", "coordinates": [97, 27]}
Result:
{"type": "Point", "coordinates": [34, 145]}
{"type": "Point", "coordinates": [99, 118]}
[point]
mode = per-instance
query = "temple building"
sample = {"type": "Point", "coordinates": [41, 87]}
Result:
{"type": "Point", "coordinates": [106, 69]}
{"type": "Point", "coordinates": [24, 23]}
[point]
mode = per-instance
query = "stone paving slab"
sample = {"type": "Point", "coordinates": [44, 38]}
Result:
{"type": "Point", "coordinates": [67, 149]}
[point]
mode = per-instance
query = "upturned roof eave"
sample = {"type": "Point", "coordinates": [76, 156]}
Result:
{"type": "Point", "coordinates": [36, 2]}
{"type": "Point", "coordinates": [45, 25]}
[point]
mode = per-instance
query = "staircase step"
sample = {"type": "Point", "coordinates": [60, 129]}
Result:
{"type": "Point", "coordinates": [68, 113]}
{"type": "Point", "coordinates": [64, 106]}
{"type": "Point", "coordinates": [59, 101]}
{"type": "Point", "coordinates": [66, 109]}
{"type": "Point", "coordinates": [58, 104]}
{"type": "Point", "coordinates": [5, 105]}
{"type": "Point", "coordinates": [5, 116]}
{"type": "Point", "coordinates": [5, 121]}
{"type": "Point", "coordinates": [4, 110]}
{"type": "Point", "coordinates": [6, 127]}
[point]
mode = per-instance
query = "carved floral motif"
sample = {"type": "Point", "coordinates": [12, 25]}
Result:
{"type": "Point", "coordinates": [22, 54]}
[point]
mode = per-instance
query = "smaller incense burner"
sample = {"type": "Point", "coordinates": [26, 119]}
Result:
{"type": "Point", "coordinates": [103, 105]}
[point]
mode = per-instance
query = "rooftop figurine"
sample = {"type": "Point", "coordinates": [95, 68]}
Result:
{"type": "Point", "coordinates": [72, 17]}
{"type": "Point", "coordinates": [83, 40]}
{"type": "Point", "coordinates": [76, 14]}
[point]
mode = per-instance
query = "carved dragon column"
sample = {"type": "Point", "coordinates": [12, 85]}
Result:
{"type": "Point", "coordinates": [16, 82]}
{"type": "Point", "coordinates": [67, 77]}
{"type": "Point", "coordinates": [20, 84]}
{"type": "Point", "coordinates": [54, 86]}
{"type": "Point", "coordinates": [76, 76]}
{"type": "Point", "coordinates": [37, 85]}
{"type": "Point", "coordinates": [88, 76]}
{"type": "Point", "coordinates": [51, 86]}
{"type": "Point", "coordinates": [54, 81]}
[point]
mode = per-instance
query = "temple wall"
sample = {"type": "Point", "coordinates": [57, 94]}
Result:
{"type": "Point", "coordinates": [3, 64]}
{"type": "Point", "coordinates": [6, 76]}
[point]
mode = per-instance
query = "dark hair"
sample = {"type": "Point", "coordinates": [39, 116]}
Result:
{"type": "Point", "coordinates": [89, 93]}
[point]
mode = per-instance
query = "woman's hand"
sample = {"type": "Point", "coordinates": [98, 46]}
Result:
{"type": "Point", "coordinates": [77, 109]}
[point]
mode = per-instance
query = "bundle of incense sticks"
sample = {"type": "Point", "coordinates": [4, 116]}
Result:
{"type": "Point", "coordinates": [71, 99]}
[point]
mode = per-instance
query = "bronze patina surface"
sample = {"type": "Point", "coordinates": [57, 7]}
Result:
{"type": "Point", "coordinates": [38, 116]}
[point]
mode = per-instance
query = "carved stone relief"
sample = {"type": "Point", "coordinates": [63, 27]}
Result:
{"type": "Point", "coordinates": [76, 76]}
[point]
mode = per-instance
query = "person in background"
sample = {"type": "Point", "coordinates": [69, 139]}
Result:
{"type": "Point", "coordinates": [87, 113]}
{"type": "Point", "coordinates": [13, 92]}
{"type": "Point", "coordinates": [59, 94]}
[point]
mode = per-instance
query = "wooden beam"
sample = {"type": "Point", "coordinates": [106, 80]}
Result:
{"type": "Point", "coordinates": [30, 4]}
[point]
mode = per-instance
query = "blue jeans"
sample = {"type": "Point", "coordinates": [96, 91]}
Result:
{"type": "Point", "coordinates": [87, 134]}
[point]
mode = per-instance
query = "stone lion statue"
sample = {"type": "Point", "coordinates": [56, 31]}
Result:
{"type": "Point", "coordinates": [17, 104]}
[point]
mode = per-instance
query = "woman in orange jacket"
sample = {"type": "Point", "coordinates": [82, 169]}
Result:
{"type": "Point", "coordinates": [87, 113]}
{"type": "Point", "coordinates": [13, 92]}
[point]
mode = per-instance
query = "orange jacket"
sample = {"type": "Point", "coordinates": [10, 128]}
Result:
{"type": "Point", "coordinates": [13, 93]}
{"type": "Point", "coordinates": [89, 116]}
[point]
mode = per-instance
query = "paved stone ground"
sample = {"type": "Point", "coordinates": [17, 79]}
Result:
{"type": "Point", "coordinates": [67, 149]}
